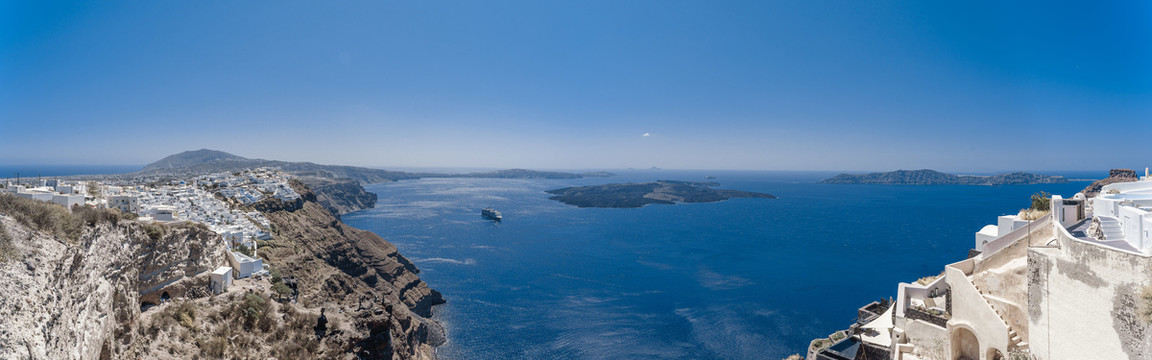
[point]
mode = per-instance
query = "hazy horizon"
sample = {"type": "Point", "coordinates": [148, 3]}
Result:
{"type": "Point", "coordinates": [806, 86]}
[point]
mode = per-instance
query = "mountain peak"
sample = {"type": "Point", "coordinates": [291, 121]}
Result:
{"type": "Point", "coordinates": [192, 157]}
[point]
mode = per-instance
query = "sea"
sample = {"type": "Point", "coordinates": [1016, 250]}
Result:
{"type": "Point", "coordinates": [738, 279]}
{"type": "Point", "coordinates": [32, 171]}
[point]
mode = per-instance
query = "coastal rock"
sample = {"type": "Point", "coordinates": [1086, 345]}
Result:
{"type": "Point", "coordinates": [359, 262]}
{"type": "Point", "coordinates": [340, 196]}
{"type": "Point", "coordinates": [1114, 176]}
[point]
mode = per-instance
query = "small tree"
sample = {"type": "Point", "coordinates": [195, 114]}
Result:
{"type": "Point", "coordinates": [1041, 201]}
{"type": "Point", "coordinates": [93, 189]}
{"type": "Point", "coordinates": [244, 249]}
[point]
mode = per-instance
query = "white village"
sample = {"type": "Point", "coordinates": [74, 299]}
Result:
{"type": "Point", "coordinates": [213, 200]}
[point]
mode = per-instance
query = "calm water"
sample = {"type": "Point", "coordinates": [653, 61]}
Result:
{"type": "Point", "coordinates": [741, 279]}
{"type": "Point", "coordinates": [32, 171]}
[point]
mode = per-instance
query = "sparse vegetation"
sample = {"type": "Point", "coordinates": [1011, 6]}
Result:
{"type": "Point", "coordinates": [1018, 354]}
{"type": "Point", "coordinates": [215, 347]}
{"type": "Point", "coordinates": [819, 344]}
{"type": "Point", "coordinates": [7, 250]}
{"type": "Point", "coordinates": [185, 315]}
{"type": "Point", "coordinates": [1031, 214]}
{"type": "Point", "coordinates": [254, 310]}
{"type": "Point", "coordinates": [244, 249]}
{"type": "Point", "coordinates": [1146, 304]}
{"type": "Point", "coordinates": [155, 230]}
{"type": "Point", "coordinates": [42, 216]}
{"type": "Point", "coordinates": [91, 216]}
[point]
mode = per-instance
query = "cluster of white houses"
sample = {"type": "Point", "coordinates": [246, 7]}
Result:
{"type": "Point", "coordinates": [1073, 284]}
{"type": "Point", "coordinates": [180, 201]}
{"type": "Point", "coordinates": [54, 191]}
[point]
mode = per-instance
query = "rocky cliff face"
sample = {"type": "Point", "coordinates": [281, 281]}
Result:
{"type": "Point", "coordinates": [120, 289]}
{"type": "Point", "coordinates": [80, 299]}
{"type": "Point", "coordinates": [340, 196]}
{"type": "Point", "coordinates": [339, 266]}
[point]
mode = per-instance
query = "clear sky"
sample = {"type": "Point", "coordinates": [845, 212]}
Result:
{"type": "Point", "coordinates": [795, 85]}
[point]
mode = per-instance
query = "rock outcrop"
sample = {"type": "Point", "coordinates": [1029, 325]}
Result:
{"type": "Point", "coordinates": [1114, 176]}
{"type": "Point", "coordinates": [338, 265]}
{"type": "Point", "coordinates": [340, 196]}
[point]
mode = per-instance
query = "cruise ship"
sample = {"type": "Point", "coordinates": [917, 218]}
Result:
{"type": "Point", "coordinates": [491, 214]}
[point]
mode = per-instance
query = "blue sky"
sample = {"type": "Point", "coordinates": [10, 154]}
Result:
{"type": "Point", "coordinates": [796, 85]}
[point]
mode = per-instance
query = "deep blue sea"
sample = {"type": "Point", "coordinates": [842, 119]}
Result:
{"type": "Point", "coordinates": [32, 171]}
{"type": "Point", "coordinates": [740, 279]}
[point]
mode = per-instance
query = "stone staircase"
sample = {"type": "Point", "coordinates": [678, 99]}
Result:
{"type": "Point", "coordinates": [1014, 338]}
{"type": "Point", "coordinates": [1110, 226]}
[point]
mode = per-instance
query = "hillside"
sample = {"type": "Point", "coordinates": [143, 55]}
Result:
{"type": "Point", "coordinates": [92, 285]}
{"type": "Point", "coordinates": [206, 161]}
{"type": "Point", "coordinates": [932, 177]}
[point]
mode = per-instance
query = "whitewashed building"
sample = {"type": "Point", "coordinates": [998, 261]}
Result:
{"type": "Point", "coordinates": [220, 279]}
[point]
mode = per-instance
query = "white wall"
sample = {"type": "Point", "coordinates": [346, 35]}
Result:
{"type": "Point", "coordinates": [986, 235]}
{"type": "Point", "coordinates": [1083, 302]}
{"type": "Point", "coordinates": [1132, 223]}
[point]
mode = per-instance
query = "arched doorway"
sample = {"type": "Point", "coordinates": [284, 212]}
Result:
{"type": "Point", "coordinates": [965, 346]}
{"type": "Point", "coordinates": [994, 354]}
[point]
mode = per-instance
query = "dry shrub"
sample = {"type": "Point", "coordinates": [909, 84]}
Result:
{"type": "Point", "coordinates": [42, 216]}
{"type": "Point", "coordinates": [1031, 214]}
{"type": "Point", "coordinates": [7, 250]}
{"type": "Point", "coordinates": [155, 230]}
{"type": "Point", "coordinates": [185, 314]}
{"type": "Point", "coordinates": [293, 351]}
{"type": "Point", "coordinates": [91, 216]}
{"type": "Point", "coordinates": [215, 347]}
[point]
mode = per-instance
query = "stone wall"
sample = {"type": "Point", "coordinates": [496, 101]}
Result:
{"type": "Point", "coordinates": [1084, 302]}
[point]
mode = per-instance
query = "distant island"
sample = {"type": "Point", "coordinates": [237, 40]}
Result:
{"type": "Point", "coordinates": [633, 195]}
{"type": "Point", "coordinates": [932, 177]}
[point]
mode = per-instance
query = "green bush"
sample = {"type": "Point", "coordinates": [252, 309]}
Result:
{"type": "Point", "coordinates": [274, 275]}
{"type": "Point", "coordinates": [1041, 201]}
{"type": "Point", "coordinates": [244, 249]}
{"type": "Point", "coordinates": [254, 310]}
{"type": "Point", "coordinates": [837, 336]}
{"type": "Point", "coordinates": [281, 289]}
{"type": "Point", "coordinates": [155, 230]}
